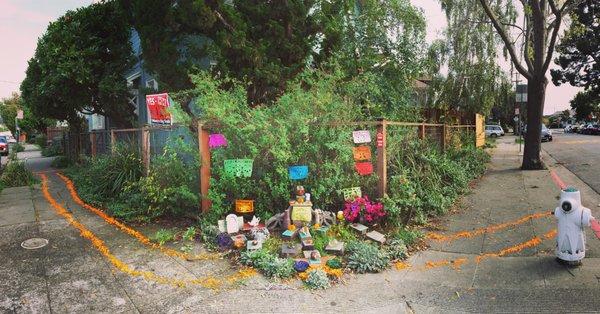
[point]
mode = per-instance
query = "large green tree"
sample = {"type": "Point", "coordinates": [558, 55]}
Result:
{"type": "Point", "coordinates": [261, 43]}
{"type": "Point", "coordinates": [586, 105]}
{"type": "Point", "coordinates": [79, 67]}
{"type": "Point", "coordinates": [29, 124]}
{"type": "Point", "coordinates": [531, 48]}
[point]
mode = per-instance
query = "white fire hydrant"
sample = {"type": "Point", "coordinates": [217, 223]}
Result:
{"type": "Point", "coordinates": [572, 218]}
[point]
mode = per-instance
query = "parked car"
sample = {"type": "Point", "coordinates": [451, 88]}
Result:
{"type": "Point", "coordinates": [11, 139]}
{"type": "Point", "coordinates": [3, 146]}
{"type": "Point", "coordinates": [592, 129]}
{"type": "Point", "coordinates": [494, 131]}
{"type": "Point", "coordinates": [568, 128]}
{"type": "Point", "coordinates": [546, 133]}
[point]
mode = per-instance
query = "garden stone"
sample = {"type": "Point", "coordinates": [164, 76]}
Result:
{"type": "Point", "coordinates": [313, 256]}
{"type": "Point", "coordinates": [307, 244]}
{"type": "Point", "coordinates": [376, 236]}
{"type": "Point", "coordinates": [335, 247]}
{"type": "Point", "coordinates": [232, 223]}
{"type": "Point", "coordinates": [290, 250]}
{"type": "Point", "coordinates": [221, 224]}
{"type": "Point", "coordinates": [359, 227]}
{"type": "Point", "coordinates": [253, 245]}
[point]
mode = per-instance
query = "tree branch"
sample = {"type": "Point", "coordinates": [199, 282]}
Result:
{"type": "Point", "coordinates": [526, 47]}
{"type": "Point", "coordinates": [552, 42]}
{"type": "Point", "coordinates": [509, 46]}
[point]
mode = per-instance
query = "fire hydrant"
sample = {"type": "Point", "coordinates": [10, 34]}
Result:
{"type": "Point", "coordinates": [572, 218]}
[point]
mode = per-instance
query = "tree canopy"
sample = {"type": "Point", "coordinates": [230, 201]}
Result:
{"type": "Point", "coordinates": [586, 105]}
{"type": "Point", "coordinates": [29, 124]}
{"type": "Point", "coordinates": [79, 66]}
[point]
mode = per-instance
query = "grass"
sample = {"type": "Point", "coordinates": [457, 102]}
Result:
{"type": "Point", "coordinates": [519, 140]}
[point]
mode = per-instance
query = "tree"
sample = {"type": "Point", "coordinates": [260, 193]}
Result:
{"type": "Point", "coordinates": [579, 49]}
{"type": "Point", "coordinates": [79, 67]}
{"type": "Point", "coordinates": [262, 43]}
{"type": "Point", "coordinates": [29, 124]}
{"type": "Point", "coordinates": [542, 21]}
{"type": "Point", "coordinates": [586, 105]}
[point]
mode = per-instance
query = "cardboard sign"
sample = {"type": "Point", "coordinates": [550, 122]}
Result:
{"type": "Point", "coordinates": [239, 167]}
{"type": "Point", "coordinates": [351, 193]}
{"type": "Point", "coordinates": [361, 153]}
{"type": "Point", "coordinates": [302, 213]}
{"type": "Point", "coordinates": [298, 172]}
{"type": "Point", "coordinates": [364, 168]}
{"type": "Point", "coordinates": [216, 140]}
{"type": "Point", "coordinates": [157, 108]}
{"type": "Point", "coordinates": [360, 137]}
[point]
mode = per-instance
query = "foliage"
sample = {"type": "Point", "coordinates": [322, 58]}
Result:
{"type": "Point", "coordinates": [408, 236]}
{"type": "Point", "coordinates": [320, 242]}
{"type": "Point", "coordinates": [363, 209]}
{"type": "Point", "coordinates": [425, 182]}
{"type": "Point", "coordinates": [586, 105]}
{"type": "Point", "coordinates": [317, 279]}
{"type": "Point", "coordinates": [285, 139]}
{"type": "Point", "coordinates": [18, 147]}
{"type": "Point", "coordinates": [16, 174]}
{"type": "Point", "coordinates": [364, 257]}
{"type": "Point", "coordinates": [273, 245]}
{"type": "Point", "coordinates": [61, 162]}
{"type": "Point", "coordinates": [163, 236]}
{"type": "Point", "coordinates": [189, 234]}
{"type": "Point", "coordinates": [396, 249]}
{"type": "Point", "coordinates": [54, 149]}
{"type": "Point", "coordinates": [268, 263]}
{"type": "Point", "coordinates": [208, 235]}
{"type": "Point", "coordinates": [579, 48]}
{"type": "Point", "coordinates": [341, 232]}
{"type": "Point", "coordinates": [79, 66]}
{"type": "Point", "coordinates": [29, 124]}
{"type": "Point", "coordinates": [40, 140]}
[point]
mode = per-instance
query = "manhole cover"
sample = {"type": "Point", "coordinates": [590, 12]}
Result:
{"type": "Point", "coordinates": [34, 243]}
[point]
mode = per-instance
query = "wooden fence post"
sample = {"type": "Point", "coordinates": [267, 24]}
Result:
{"type": "Point", "coordinates": [422, 131]}
{"type": "Point", "coordinates": [113, 141]}
{"type": "Point", "coordinates": [93, 140]}
{"type": "Point", "coordinates": [146, 149]}
{"type": "Point", "coordinates": [382, 158]}
{"type": "Point", "coordinates": [204, 153]}
{"type": "Point", "coordinates": [444, 137]}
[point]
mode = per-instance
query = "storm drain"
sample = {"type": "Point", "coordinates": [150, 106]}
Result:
{"type": "Point", "coordinates": [34, 243]}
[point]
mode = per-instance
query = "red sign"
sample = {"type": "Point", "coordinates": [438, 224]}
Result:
{"type": "Point", "coordinates": [364, 168]}
{"type": "Point", "coordinates": [157, 108]}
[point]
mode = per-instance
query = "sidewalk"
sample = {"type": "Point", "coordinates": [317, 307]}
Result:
{"type": "Point", "coordinates": [503, 270]}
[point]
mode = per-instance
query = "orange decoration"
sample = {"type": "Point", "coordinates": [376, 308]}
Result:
{"type": "Point", "coordinates": [361, 153]}
{"type": "Point", "coordinates": [244, 206]}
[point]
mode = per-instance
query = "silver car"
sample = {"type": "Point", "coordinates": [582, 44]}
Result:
{"type": "Point", "coordinates": [493, 131]}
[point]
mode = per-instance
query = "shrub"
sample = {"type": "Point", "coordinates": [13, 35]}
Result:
{"type": "Point", "coordinates": [189, 234]}
{"type": "Point", "coordinates": [61, 162]}
{"type": "Point", "coordinates": [208, 235]}
{"type": "Point", "coordinates": [163, 236]}
{"type": "Point", "coordinates": [409, 237]}
{"type": "Point", "coordinates": [41, 141]}
{"type": "Point", "coordinates": [269, 264]}
{"type": "Point", "coordinates": [16, 174]}
{"type": "Point", "coordinates": [334, 263]}
{"type": "Point", "coordinates": [317, 279]}
{"type": "Point", "coordinates": [18, 147]}
{"type": "Point", "coordinates": [364, 257]}
{"type": "Point", "coordinates": [54, 149]}
{"type": "Point", "coordinates": [396, 249]}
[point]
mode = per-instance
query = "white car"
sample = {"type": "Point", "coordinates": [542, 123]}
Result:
{"type": "Point", "coordinates": [11, 139]}
{"type": "Point", "coordinates": [493, 131]}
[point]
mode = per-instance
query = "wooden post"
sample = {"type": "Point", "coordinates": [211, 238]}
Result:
{"type": "Point", "coordinates": [113, 141]}
{"type": "Point", "coordinates": [146, 149]}
{"type": "Point", "coordinates": [204, 153]}
{"type": "Point", "coordinates": [382, 158]}
{"type": "Point", "coordinates": [93, 140]}
{"type": "Point", "coordinates": [422, 131]}
{"type": "Point", "coordinates": [444, 137]}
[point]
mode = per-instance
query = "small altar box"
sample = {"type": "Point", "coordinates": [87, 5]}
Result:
{"type": "Point", "coordinates": [314, 257]}
{"type": "Point", "coordinates": [290, 250]}
{"type": "Point", "coordinates": [323, 230]}
{"type": "Point", "coordinates": [308, 244]}
{"type": "Point", "coordinates": [376, 236]}
{"type": "Point", "coordinates": [302, 212]}
{"type": "Point", "coordinates": [359, 227]}
{"type": "Point", "coordinates": [304, 233]}
{"type": "Point", "coordinates": [288, 234]}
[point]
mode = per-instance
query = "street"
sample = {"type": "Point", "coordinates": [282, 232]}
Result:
{"type": "Point", "coordinates": [495, 254]}
{"type": "Point", "coordinates": [578, 153]}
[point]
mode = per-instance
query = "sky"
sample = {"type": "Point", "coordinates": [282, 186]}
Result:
{"type": "Point", "coordinates": [22, 22]}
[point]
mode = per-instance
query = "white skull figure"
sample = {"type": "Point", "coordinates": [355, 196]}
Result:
{"type": "Point", "coordinates": [572, 218]}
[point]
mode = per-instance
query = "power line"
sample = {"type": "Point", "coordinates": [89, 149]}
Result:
{"type": "Point", "coordinates": [9, 82]}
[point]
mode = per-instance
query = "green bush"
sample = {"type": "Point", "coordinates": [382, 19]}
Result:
{"type": "Point", "coordinates": [208, 235]}
{"type": "Point", "coordinates": [16, 174]}
{"type": "Point", "coordinates": [61, 162]}
{"type": "Point", "coordinates": [364, 257]}
{"type": "Point", "coordinates": [163, 236]}
{"type": "Point", "coordinates": [18, 147]}
{"type": "Point", "coordinates": [41, 141]}
{"type": "Point", "coordinates": [408, 237]}
{"type": "Point", "coordinates": [269, 264]}
{"type": "Point", "coordinates": [54, 149]}
{"type": "Point", "coordinates": [317, 279]}
{"type": "Point", "coordinates": [396, 249]}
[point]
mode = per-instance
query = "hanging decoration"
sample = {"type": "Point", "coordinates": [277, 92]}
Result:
{"type": "Point", "coordinates": [298, 172]}
{"type": "Point", "coordinates": [363, 136]}
{"type": "Point", "coordinates": [216, 140]}
{"type": "Point", "coordinates": [364, 168]}
{"type": "Point", "coordinates": [379, 139]}
{"type": "Point", "coordinates": [351, 193]}
{"type": "Point", "coordinates": [362, 153]}
{"type": "Point", "coordinates": [239, 167]}
{"type": "Point", "coordinates": [244, 207]}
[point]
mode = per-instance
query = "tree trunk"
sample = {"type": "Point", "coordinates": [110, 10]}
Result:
{"type": "Point", "coordinates": [536, 93]}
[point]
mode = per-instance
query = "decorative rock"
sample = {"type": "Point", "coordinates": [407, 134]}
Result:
{"type": "Point", "coordinates": [359, 227]}
{"type": "Point", "coordinates": [323, 229]}
{"type": "Point", "coordinates": [260, 234]}
{"type": "Point", "coordinates": [328, 219]}
{"type": "Point", "coordinates": [288, 234]}
{"type": "Point", "coordinates": [240, 220]}
{"type": "Point", "coordinates": [314, 257]}
{"type": "Point", "coordinates": [290, 250]}
{"type": "Point", "coordinates": [304, 233]}
{"type": "Point", "coordinates": [221, 224]}
{"type": "Point", "coordinates": [224, 241]}
{"type": "Point", "coordinates": [300, 266]}
{"type": "Point", "coordinates": [335, 247]}
{"type": "Point", "coordinates": [376, 236]}
{"type": "Point", "coordinates": [232, 223]}
{"type": "Point", "coordinates": [276, 222]}
{"type": "Point", "coordinates": [239, 240]}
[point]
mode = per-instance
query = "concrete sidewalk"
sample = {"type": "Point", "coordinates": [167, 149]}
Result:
{"type": "Point", "coordinates": [69, 275]}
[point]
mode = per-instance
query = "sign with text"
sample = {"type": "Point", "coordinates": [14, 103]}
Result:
{"type": "Point", "coordinates": [19, 114]}
{"type": "Point", "coordinates": [157, 108]}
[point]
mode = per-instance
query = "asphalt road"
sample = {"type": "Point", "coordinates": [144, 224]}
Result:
{"type": "Point", "coordinates": [578, 153]}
